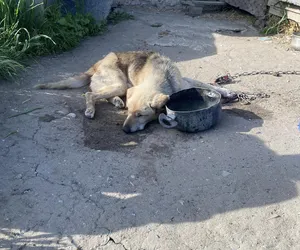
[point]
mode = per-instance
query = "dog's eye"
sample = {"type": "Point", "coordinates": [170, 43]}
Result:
{"type": "Point", "coordinates": [138, 114]}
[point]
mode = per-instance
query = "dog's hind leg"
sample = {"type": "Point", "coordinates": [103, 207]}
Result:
{"type": "Point", "coordinates": [117, 102]}
{"type": "Point", "coordinates": [226, 94]}
{"type": "Point", "coordinates": [106, 92]}
{"type": "Point", "coordinates": [109, 82]}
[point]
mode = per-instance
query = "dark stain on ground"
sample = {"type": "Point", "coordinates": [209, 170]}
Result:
{"type": "Point", "coordinates": [104, 132]}
{"type": "Point", "coordinates": [47, 118]}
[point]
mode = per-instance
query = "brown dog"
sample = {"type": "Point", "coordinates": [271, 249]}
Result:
{"type": "Point", "coordinates": [148, 78]}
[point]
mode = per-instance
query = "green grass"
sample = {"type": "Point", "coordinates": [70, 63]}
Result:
{"type": "Point", "coordinates": [19, 21]}
{"type": "Point", "coordinates": [275, 25]}
{"type": "Point", "coordinates": [27, 29]}
{"type": "Point", "coordinates": [67, 30]}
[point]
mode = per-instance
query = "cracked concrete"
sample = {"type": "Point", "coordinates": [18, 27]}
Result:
{"type": "Point", "coordinates": [71, 183]}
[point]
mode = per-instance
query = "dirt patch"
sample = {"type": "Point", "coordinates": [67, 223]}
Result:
{"type": "Point", "coordinates": [105, 132]}
{"type": "Point", "coordinates": [47, 118]}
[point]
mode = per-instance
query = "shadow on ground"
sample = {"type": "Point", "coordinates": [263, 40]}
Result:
{"type": "Point", "coordinates": [184, 181]}
{"type": "Point", "coordinates": [150, 178]}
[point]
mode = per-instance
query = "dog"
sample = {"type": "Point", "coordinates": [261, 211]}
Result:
{"type": "Point", "coordinates": [147, 79]}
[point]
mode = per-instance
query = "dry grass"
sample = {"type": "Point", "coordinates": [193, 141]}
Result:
{"type": "Point", "coordinates": [281, 25]}
{"type": "Point", "coordinates": [231, 14]}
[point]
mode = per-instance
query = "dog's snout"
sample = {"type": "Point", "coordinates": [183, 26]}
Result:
{"type": "Point", "coordinates": [126, 129]}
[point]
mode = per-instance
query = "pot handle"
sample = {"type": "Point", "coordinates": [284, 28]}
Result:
{"type": "Point", "coordinates": [166, 121]}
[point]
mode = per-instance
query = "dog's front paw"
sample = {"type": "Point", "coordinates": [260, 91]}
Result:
{"type": "Point", "coordinates": [118, 102]}
{"type": "Point", "coordinates": [89, 113]}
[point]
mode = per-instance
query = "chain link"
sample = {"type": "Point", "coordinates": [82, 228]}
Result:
{"type": "Point", "coordinates": [246, 98]}
{"type": "Point", "coordinates": [262, 72]}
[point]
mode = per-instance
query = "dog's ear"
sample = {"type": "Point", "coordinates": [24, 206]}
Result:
{"type": "Point", "coordinates": [159, 101]}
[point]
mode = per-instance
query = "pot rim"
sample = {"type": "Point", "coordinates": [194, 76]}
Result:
{"type": "Point", "coordinates": [196, 110]}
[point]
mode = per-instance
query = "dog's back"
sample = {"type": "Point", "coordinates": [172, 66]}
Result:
{"type": "Point", "coordinates": [147, 67]}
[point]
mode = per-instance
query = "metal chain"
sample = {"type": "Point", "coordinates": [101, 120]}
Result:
{"type": "Point", "coordinates": [262, 72]}
{"type": "Point", "coordinates": [246, 98]}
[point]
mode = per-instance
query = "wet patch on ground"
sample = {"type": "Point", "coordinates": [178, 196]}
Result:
{"type": "Point", "coordinates": [47, 118]}
{"type": "Point", "coordinates": [104, 132]}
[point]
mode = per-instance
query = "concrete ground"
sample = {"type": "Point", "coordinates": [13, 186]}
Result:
{"type": "Point", "coordinates": [71, 183]}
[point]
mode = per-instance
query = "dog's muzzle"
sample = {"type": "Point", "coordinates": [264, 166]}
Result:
{"type": "Point", "coordinates": [126, 129]}
{"type": "Point", "coordinates": [130, 125]}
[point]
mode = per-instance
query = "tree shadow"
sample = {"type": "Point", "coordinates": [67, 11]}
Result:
{"type": "Point", "coordinates": [180, 178]}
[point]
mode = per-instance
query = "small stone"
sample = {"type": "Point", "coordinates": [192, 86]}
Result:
{"type": "Point", "coordinates": [131, 143]}
{"type": "Point", "coordinates": [62, 112]}
{"type": "Point", "coordinates": [19, 176]}
{"type": "Point", "coordinates": [71, 115]}
{"type": "Point", "coordinates": [225, 173]}
{"type": "Point", "coordinates": [156, 25]}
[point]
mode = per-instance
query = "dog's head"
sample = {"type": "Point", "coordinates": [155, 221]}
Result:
{"type": "Point", "coordinates": [142, 107]}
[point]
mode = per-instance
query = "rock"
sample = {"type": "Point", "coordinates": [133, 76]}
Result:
{"type": "Point", "coordinates": [62, 112]}
{"type": "Point", "coordinates": [157, 3]}
{"type": "Point", "coordinates": [225, 173]}
{"type": "Point", "coordinates": [156, 25]}
{"type": "Point", "coordinates": [71, 115]}
{"type": "Point", "coordinates": [19, 176]}
{"type": "Point", "coordinates": [98, 9]}
{"type": "Point", "coordinates": [195, 11]}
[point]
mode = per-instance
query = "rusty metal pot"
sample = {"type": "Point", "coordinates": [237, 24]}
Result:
{"type": "Point", "coordinates": [192, 110]}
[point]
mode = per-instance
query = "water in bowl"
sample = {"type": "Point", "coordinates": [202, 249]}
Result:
{"type": "Point", "coordinates": [188, 105]}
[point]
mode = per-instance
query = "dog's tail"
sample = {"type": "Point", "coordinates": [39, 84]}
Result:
{"type": "Point", "coordinates": [70, 83]}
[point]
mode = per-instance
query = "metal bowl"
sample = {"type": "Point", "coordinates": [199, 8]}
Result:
{"type": "Point", "coordinates": [192, 110]}
{"type": "Point", "coordinates": [296, 41]}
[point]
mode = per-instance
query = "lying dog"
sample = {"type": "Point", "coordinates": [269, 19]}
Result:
{"type": "Point", "coordinates": [146, 78]}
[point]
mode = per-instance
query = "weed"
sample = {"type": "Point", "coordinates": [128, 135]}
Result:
{"type": "Point", "coordinates": [19, 22]}
{"type": "Point", "coordinates": [29, 29]}
{"type": "Point", "coordinates": [277, 25]}
{"type": "Point", "coordinates": [67, 30]}
{"type": "Point", "coordinates": [274, 25]}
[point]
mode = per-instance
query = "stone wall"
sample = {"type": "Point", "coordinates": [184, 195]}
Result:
{"type": "Point", "coordinates": [257, 8]}
{"type": "Point", "coordinates": [157, 3]}
{"type": "Point", "coordinates": [98, 8]}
